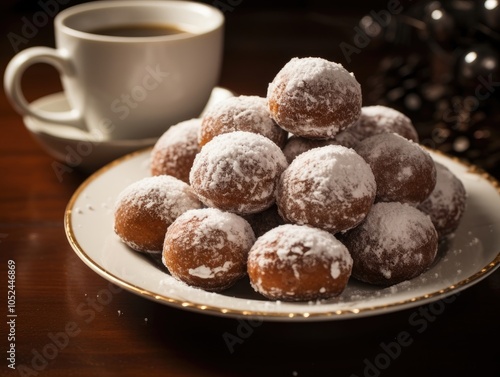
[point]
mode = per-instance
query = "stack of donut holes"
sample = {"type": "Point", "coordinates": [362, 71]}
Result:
{"type": "Point", "coordinates": [300, 191]}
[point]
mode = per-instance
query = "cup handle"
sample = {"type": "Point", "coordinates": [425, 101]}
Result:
{"type": "Point", "coordinates": [12, 84]}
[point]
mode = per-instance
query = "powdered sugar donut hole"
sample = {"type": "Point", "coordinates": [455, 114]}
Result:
{"type": "Point", "coordinates": [238, 172]}
{"type": "Point", "coordinates": [208, 248]}
{"type": "Point", "coordinates": [447, 202]}
{"type": "Point", "coordinates": [241, 113]}
{"type": "Point", "coordinates": [330, 187]}
{"type": "Point", "coordinates": [396, 242]}
{"type": "Point", "coordinates": [174, 152]}
{"type": "Point", "coordinates": [298, 263]}
{"type": "Point", "coordinates": [314, 98]}
{"type": "Point", "coordinates": [403, 170]}
{"type": "Point", "coordinates": [378, 119]}
{"type": "Point", "coordinates": [146, 208]}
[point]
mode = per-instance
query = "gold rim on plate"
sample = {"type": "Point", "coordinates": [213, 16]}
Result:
{"type": "Point", "coordinates": [218, 310]}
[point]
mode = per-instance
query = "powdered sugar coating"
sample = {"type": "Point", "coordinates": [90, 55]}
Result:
{"type": "Point", "coordinates": [404, 171]}
{"type": "Point", "coordinates": [238, 172]}
{"type": "Point", "coordinates": [208, 248]}
{"type": "Point", "coordinates": [314, 98]}
{"type": "Point", "coordinates": [378, 119]}
{"type": "Point", "coordinates": [146, 208]}
{"type": "Point", "coordinates": [330, 187]}
{"type": "Point", "coordinates": [241, 113]}
{"type": "Point", "coordinates": [447, 202]}
{"type": "Point", "coordinates": [296, 145]}
{"type": "Point", "coordinates": [298, 263]}
{"type": "Point", "coordinates": [174, 152]}
{"type": "Point", "coordinates": [396, 242]}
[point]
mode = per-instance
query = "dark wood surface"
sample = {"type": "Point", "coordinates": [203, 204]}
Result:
{"type": "Point", "coordinates": [61, 330]}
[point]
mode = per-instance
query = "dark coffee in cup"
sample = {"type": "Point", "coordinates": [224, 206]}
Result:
{"type": "Point", "coordinates": [139, 30]}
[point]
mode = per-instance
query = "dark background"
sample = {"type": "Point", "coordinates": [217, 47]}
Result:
{"type": "Point", "coordinates": [414, 63]}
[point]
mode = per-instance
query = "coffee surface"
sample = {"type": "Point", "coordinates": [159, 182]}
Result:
{"type": "Point", "coordinates": [139, 30]}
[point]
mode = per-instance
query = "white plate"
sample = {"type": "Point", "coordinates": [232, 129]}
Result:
{"type": "Point", "coordinates": [468, 258]}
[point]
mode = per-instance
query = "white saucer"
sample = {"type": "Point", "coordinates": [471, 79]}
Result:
{"type": "Point", "coordinates": [76, 148]}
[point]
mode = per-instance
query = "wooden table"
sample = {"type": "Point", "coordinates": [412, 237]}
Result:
{"type": "Point", "coordinates": [132, 336]}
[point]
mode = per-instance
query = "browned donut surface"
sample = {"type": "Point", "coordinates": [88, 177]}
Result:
{"type": "Point", "coordinates": [264, 221]}
{"type": "Point", "coordinates": [396, 242]}
{"type": "Point", "coordinates": [208, 248]}
{"type": "Point", "coordinates": [241, 113]}
{"type": "Point", "coordinates": [403, 170]}
{"type": "Point", "coordinates": [314, 98]}
{"type": "Point", "coordinates": [447, 202]}
{"type": "Point", "coordinates": [298, 263]}
{"type": "Point", "coordinates": [146, 208]}
{"type": "Point", "coordinates": [174, 152]}
{"type": "Point", "coordinates": [379, 119]}
{"type": "Point", "coordinates": [330, 187]}
{"type": "Point", "coordinates": [296, 145]}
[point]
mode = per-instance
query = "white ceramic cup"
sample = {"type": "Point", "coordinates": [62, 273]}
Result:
{"type": "Point", "coordinates": [127, 87]}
